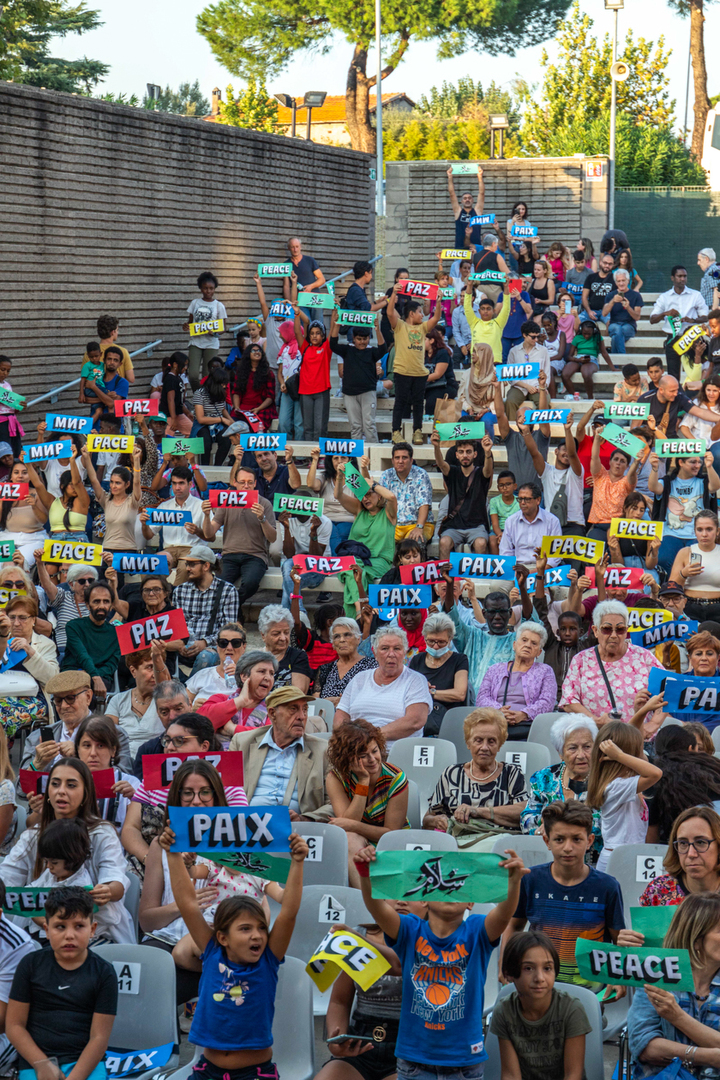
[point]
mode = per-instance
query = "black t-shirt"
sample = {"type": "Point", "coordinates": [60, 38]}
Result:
{"type": "Point", "coordinates": [62, 1003]}
{"type": "Point", "coordinates": [293, 660]}
{"type": "Point", "coordinates": [442, 678]}
{"type": "Point", "coordinates": [359, 370]}
{"type": "Point", "coordinates": [473, 511]}
{"type": "Point", "coordinates": [280, 482]}
{"type": "Point", "coordinates": [171, 382]}
{"type": "Point", "coordinates": [485, 260]}
{"type": "Point", "coordinates": [681, 404]}
{"type": "Point", "coordinates": [600, 289]}
{"type": "Point", "coordinates": [305, 270]}
{"type": "Point", "coordinates": [461, 224]}
{"type": "Point", "coordinates": [137, 609]}
{"type": "Point", "coordinates": [152, 746]}
{"type": "Point", "coordinates": [713, 354]}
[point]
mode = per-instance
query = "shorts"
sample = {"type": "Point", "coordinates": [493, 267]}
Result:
{"type": "Point", "coordinates": [205, 1070]}
{"type": "Point", "coordinates": [466, 536]}
{"type": "Point", "coordinates": [379, 1062]}
{"type": "Point", "coordinates": [557, 365]}
{"type": "Point", "coordinates": [587, 360]}
{"type": "Point", "coordinates": [98, 1073]}
{"type": "Point", "coordinates": [411, 1070]}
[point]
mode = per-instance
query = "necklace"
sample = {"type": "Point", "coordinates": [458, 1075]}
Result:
{"type": "Point", "coordinates": [482, 779]}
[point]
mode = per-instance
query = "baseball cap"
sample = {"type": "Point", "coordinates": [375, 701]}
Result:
{"type": "Point", "coordinates": [203, 553]}
{"type": "Point", "coordinates": [66, 681]}
{"type": "Point", "coordinates": [5, 450]}
{"type": "Point", "coordinates": [284, 695]}
{"type": "Point", "coordinates": [599, 420]}
{"type": "Point", "coordinates": [671, 588]}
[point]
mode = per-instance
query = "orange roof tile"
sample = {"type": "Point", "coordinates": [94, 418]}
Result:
{"type": "Point", "coordinates": [332, 111]}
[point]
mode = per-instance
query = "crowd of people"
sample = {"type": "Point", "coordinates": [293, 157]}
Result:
{"type": "Point", "coordinates": [317, 711]}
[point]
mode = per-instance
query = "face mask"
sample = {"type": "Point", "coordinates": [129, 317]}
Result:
{"type": "Point", "coordinates": [437, 652]}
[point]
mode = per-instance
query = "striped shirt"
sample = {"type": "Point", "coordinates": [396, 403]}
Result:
{"type": "Point", "coordinates": [235, 796]}
{"type": "Point", "coordinates": [390, 782]}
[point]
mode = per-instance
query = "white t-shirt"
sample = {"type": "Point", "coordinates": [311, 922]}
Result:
{"type": "Point", "coordinates": [137, 728]}
{"type": "Point", "coordinates": [300, 532]}
{"type": "Point", "coordinates": [699, 428]}
{"type": "Point", "coordinates": [53, 470]}
{"type": "Point", "coordinates": [624, 816]}
{"type": "Point", "coordinates": [364, 699]}
{"type": "Point", "coordinates": [177, 535]}
{"type": "Point", "coordinates": [553, 479]}
{"type": "Point", "coordinates": [206, 683]}
{"type": "Point", "coordinates": [201, 311]}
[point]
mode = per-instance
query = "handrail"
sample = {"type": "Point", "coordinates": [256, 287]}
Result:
{"type": "Point", "coordinates": [241, 326]}
{"type": "Point", "coordinates": [54, 394]}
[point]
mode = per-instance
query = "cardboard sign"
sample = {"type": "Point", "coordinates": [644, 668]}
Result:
{"type": "Point", "coordinates": [10, 491]}
{"type": "Point", "coordinates": [178, 447]}
{"type": "Point", "coordinates": [461, 431]}
{"type": "Point", "coordinates": [687, 340]}
{"type": "Point", "coordinates": [457, 253]}
{"type": "Point", "coordinates": [31, 782]}
{"type": "Point", "coordinates": [667, 448]}
{"type": "Point", "coordinates": [129, 563]}
{"type": "Point", "coordinates": [270, 269]}
{"type": "Point", "coordinates": [208, 326]}
{"type": "Point", "coordinates": [11, 400]}
{"type": "Point", "coordinates": [494, 567]}
{"type": "Point", "coordinates": [492, 277]}
{"type": "Point", "coordinates": [324, 564]}
{"type": "Point", "coordinates": [691, 693]}
{"type": "Point", "coordinates": [48, 450]}
{"type": "Point", "coordinates": [523, 232]}
{"type": "Point", "coordinates": [513, 372]}
{"type": "Point", "coordinates": [340, 951]}
{"type": "Point", "coordinates": [29, 901]}
{"type": "Point", "coordinates": [418, 290]}
{"type": "Point", "coordinates": [119, 1063]}
{"type": "Point", "coordinates": [623, 440]}
{"type": "Point", "coordinates": [355, 481]}
{"type": "Point", "coordinates": [342, 447]}
{"type": "Point", "coordinates": [104, 779]}
{"type": "Point", "coordinates": [259, 864]}
{"type": "Point", "coordinates": [610, 964]}
{"type": "Point", "coordinates": [81, 425]}
{"type": "Point", "coordinates": [167, 626]}
{"type": "Point", "coordinates": [572, 547]}
{"type": "Point", "coordinates": [632, 529]}
{"type": "Point", "coordinates": [7, 550]}
{"type": "Point", "coordinates": [448, 875]}
{"type": "Point", "coordinates": [356, 318]}
{"type": "Point", "coordinates": [653, 922]}
{"type": "Point", "coordinates": [230, 828]}
{"type": "Point", "coordinates": [72, 551]}
{"type": "Point", "coordinates": [116, 444]}
{"type": "Point", "coordinates": [554, 577]}
{"type": "Point", "coordinates": [447, 292]}
{"type": "Point", "coordinates": [281, 309]}
{"type": "Point", "coordinates": [159, 769]}
{"type": "Point", "coordinates": [400, 596]}
{"type": "Point", "coordinates": [464, 168]}
{"type": "Point", "coordinates": [618, 577]}
{"type": "Point", "coordinates": [169, 517]}
{"type": "Point", "coordinates": [627, 410]}
{"type": "Point", "coordinates": [137, 407]}
{"type": "Point", "coordinates": [548, 416]}
{"type": "Point", "coordinates": [678, 630]}
{"type": "Point", "coordinates": [645, 618]}
{"type": "Point", "coordinates": [316, 300]}
{"type": "Point", "coordinates": [481, 219]}
{"type": "Point", "coordinates": [263, 440]}
{"type": "Point", "coordinates": [6, 595]}
{"type": "Point", "coordinates": [298, 505]}
{"type": "Point", "coordinates": [423, 573]}
{"type": "Point", "coordinates": [229, 498]}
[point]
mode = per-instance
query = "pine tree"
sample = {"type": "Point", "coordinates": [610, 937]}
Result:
{"type": "Point", "coordinates": [26, 30]}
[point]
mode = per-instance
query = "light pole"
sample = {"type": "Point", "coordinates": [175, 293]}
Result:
{"type": "Point", "coordinates": [498, 122]}
{"type": "Point", "coordinates": [312, 100]}
{"type": "Point", "coordinates": [615, 6]}
{"type": "Point", "coordinates": [289, 103]}
{"type": "Point", "coordinates": [379, 194]}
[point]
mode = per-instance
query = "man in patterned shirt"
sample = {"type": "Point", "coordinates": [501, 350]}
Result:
{"type": "Point", "coordinates": [412, 487]}
{"type": "Point", "coordinates": [207, 602]}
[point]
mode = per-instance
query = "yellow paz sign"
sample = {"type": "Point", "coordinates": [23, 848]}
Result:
{"type": "Point", "coordinates": [72, 551]}
{"type": "Point", "coordinates": [646, 618]}
{"type": "Point", "coordinates": [114, 444]}
{"type": "Point", "coordinates": [209, 326]}
{"type": "Point", "coordinates": [572, 547]}
{"type": "Point", "coordinates": [341, 950]}
{"type": "Point", "coordinates": [632, 529]}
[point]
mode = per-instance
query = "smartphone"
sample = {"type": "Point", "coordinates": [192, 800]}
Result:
{"type": "Point", "coordinates": [515, 285]}
{"type": "Point", "coordinates": [344, 1038]}
{"type": "Point", "coordinates": [47, 734]}
{"type": "Point", "coordinates": [695, 557]}
{"type": "Point", "coordinates": [568, 307]}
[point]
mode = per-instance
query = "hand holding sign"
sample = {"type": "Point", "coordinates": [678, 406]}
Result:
{"type": "Point", "coordinates": [345, 951]}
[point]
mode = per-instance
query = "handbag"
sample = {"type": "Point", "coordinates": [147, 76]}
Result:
{"type": "Point", "coordinates": [18, 684]}
{"type": "Point", "coordinates": [559, 504]}
{"type": "Point", "coordinates": [292, 386]}
{"type": "Point", "coordinates": [675, 1071]}
{"type": "Point", "coordinates": [447, 411]}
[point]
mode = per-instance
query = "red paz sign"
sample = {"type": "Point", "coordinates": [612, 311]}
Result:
{"type": "Point", "coordinates": [9, 492]}
{"type": "Point", "coordinates": [168, 626]}
{"type": "Point", "coordinates": [419, 290]}
{"type": "Point", "coordinates": [618, 577]}
{"type": "Point", "coordinates": [422, 573]}
{"type": "Point", "coordinates": [159, 769]}
{"type": "Point", "coordinates": [242, 500]}
{"type": "Point", "coordinates": [137, 407]}
{"type": "Point", "coordinates": [323, 564]}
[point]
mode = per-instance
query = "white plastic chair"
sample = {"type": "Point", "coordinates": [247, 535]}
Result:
{"type": "Point", "coordinates": [131, 899]}
{"type": "Point", "coordinates": [423, 760]}
{"type": "Point", "coordinates": [326, 709]}
{"type": "Point", "coordinates": [327, 863]}
{"type": "Point", "coordinates": [451, 729]}
{"type": "Point", "coordinates": [416, 840]}
{"type": "Point", "coordinates": [532, 849]}
{"type": "Point", "coordinates": [528, 756]}
{"type": "Point", "coordinates": [415, 812]}
{"type": "Point", "coordinates": [540, 732]}
{"type": "Point", "coordinates": [634, 866]}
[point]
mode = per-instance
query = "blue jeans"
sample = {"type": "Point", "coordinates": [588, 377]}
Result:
{"type": "Point", "coordinates": [507, 344]}
{"type": "Point", "coordinates": [668, 550]}
{"type": "Point", "coordinates": [309, 581]}
{"type": "Point", "coordinates": [290, 420]}
{"type": "Point", "coordinates": [341, 531]}
{"type": "Point", "coordinates": [410, 1070]}
{"type": "Point", "coordinates": [205, 658]}
{"type": "Point", "coordinates": [620, 332]}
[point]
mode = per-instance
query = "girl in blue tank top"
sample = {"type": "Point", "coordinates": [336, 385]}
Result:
{"type": "Point", "coordinates": [240, 961]}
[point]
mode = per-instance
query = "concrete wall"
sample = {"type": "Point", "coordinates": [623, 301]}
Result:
{"type": "Point", "coordinates": [113, 210]}
{"type": "Point", "coordinates": [561, 202]}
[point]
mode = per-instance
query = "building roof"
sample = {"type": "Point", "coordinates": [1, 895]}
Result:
{"type": "Point", "coordinates": [333, 110]}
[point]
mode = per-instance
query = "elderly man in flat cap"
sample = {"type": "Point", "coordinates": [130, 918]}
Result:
{"type": "Point", "coordinates": [71, 695]}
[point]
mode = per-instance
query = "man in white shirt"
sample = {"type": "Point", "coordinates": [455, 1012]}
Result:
{"type": "Point", "coordinates": [565, 475]}
{"type": "Point", "coordinates": [524, 531]}
{"type": "Point", "coordinates": [302, 534]}
{"type": "Point", "coordinates": [177, 539]}
{"type": "Point", "coordinates": [527, 353]}
{"type": "Point", "coordinates": [677, 309]}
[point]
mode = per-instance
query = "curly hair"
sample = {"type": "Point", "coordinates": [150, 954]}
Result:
{"type": "Point", "coordinates": [243, 371]}
{"type": "Point", "coordinates": [349, 741]}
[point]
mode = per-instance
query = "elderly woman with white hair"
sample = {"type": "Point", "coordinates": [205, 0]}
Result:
{"type": "Point", "coordinates": [391, 697]}
{"type": "Point", "coordinates": [332, 679]}
{"type": "Point", "coordinates": [602, 682]}
{"type": "Point", "coordinates": [67, 604]}
{"type": "Point", "coordinates": [622, 311]}
{"type": "Point", "coordinates": [445, 670]}
{"type": "Point", "coordinates": [521, 688]}
{"type": "Point", "coordinates": [275, 624]}
{"type": "Point", "coordinates": [572, 736]}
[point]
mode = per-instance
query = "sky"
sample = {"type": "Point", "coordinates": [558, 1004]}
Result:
{"type": "Point", "coordinates": [155, 41]}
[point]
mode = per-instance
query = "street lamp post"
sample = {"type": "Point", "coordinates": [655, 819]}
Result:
{"type": "Point", "coordinates": [379, 193]}
{"type": "Point", "coordinates": [289, 103]}
{"type": "Point", "coordinates": [313, 100]}
{"type": "Point", "coordinates": [615, 6]}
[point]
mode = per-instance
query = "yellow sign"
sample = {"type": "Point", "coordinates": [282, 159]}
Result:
{"type": "Point", "coordinates": [632, 529]}
{"type": "Point", "coordinates": [572, 547]}
{"type": "Point", "coordinates": [72, 551]}
{"type": "Point", "coordinates": [453, 253]}
{"type": "Point", "coordinates": [683, 343]}
{"type": "Point", "coordinates": [6, 595]}
{"type": "Point", "coordinates": [212, 326]}
{"type": "Point", "coordinates": [640, 618]}
{"type": "Point", "coordinates": [114, 444]}
{"type": "Point", "coordinates": [342, 951]}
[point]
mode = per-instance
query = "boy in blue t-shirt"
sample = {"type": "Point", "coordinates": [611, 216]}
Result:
{"type": "Point", "coordinates": [444, 963]}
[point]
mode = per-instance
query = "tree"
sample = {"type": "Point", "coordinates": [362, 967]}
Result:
{"type": "Point", "coordinates": [251, 37]}
{"type": "Point", "coordinates": [252, 108]}
{"type": "Point", "coordinates": [26, 30]}
{"type": "Point", "coordinates": [702, 104]}
{"type": "Point", "coordinates": [187, 100]}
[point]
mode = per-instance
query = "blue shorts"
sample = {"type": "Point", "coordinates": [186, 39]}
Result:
{"type": "Point", "coordinates": [98, 1073]}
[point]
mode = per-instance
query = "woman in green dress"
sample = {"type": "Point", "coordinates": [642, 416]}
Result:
{"type": "Point", "coordinates": [374, 525]}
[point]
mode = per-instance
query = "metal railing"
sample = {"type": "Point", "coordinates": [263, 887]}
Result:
{"type": "Point", "coordinates": [241, 326]}
{"type": "Point", "coordinates": [55, 393]}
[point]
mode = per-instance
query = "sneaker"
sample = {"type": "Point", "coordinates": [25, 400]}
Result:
{"type": "Point", "coordinates": [418, 437]}
{"type": "Point", "coordinates": [569, 397]}
{"type": "Point", "coordinates": [397, 436]}
{"type": "Point", "coordinates": [324, 597]}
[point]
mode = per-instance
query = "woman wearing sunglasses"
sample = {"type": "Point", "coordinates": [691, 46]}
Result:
{"type": "Point", "coordinates": [220, 679]}
{"type": "Point", "coordinates": [66, 603]}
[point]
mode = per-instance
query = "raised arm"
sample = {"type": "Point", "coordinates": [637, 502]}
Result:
{"type": "Point", "coordinates": [292, 895]}
{"type": "Point", "coordinates": [595, 463]}
{"type": "Point", "coordinates": [537, 459]}
{"type": "Point", "coordinates": [654, 483]}
{"type": "Point", "coordinates": [390, 309]}
{"type": "Point", "coordinates": [435, 317]}
{"type": "Point", "coordinates": [451, 192]}
{"type": "Point", "coordinates": [480, 204]}
{"type": "Point", "coordinates": [100, 493]}
{"type": "Point", "coordinates": [386, 917]}
{"type": "Point", "coordinates": [183, 891]}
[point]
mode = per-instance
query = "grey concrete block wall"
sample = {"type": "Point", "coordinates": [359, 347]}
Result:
{"type": "Point", "coordinates": [112, 210]}
{"type": "Point", "coordinates": [561, 202]}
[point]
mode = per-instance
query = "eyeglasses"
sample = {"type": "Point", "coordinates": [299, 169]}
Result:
{"type": "Point", "coordinates": [66, 699]}
{"type": "Point", "coordinates": [13, 584]}
{"type": "Point", "coordinates": [231, 643]}
{"type": "Point", "coordinates": [20, 618]}
{"type": "Point", "coordinates": [700, 843]}
{"type": "Point", "coordinates": [526, 498]}
{"type": "Point", "coordinates": [151, 592]}
{"type": "Point", "coordinates": [85, 580]}
{"type": "Point", "coordinates": [177, 742]}
{"type": "Point", "coordinates": [621, 631]}
{"type": "Point", "coordinates": [205, 794]}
